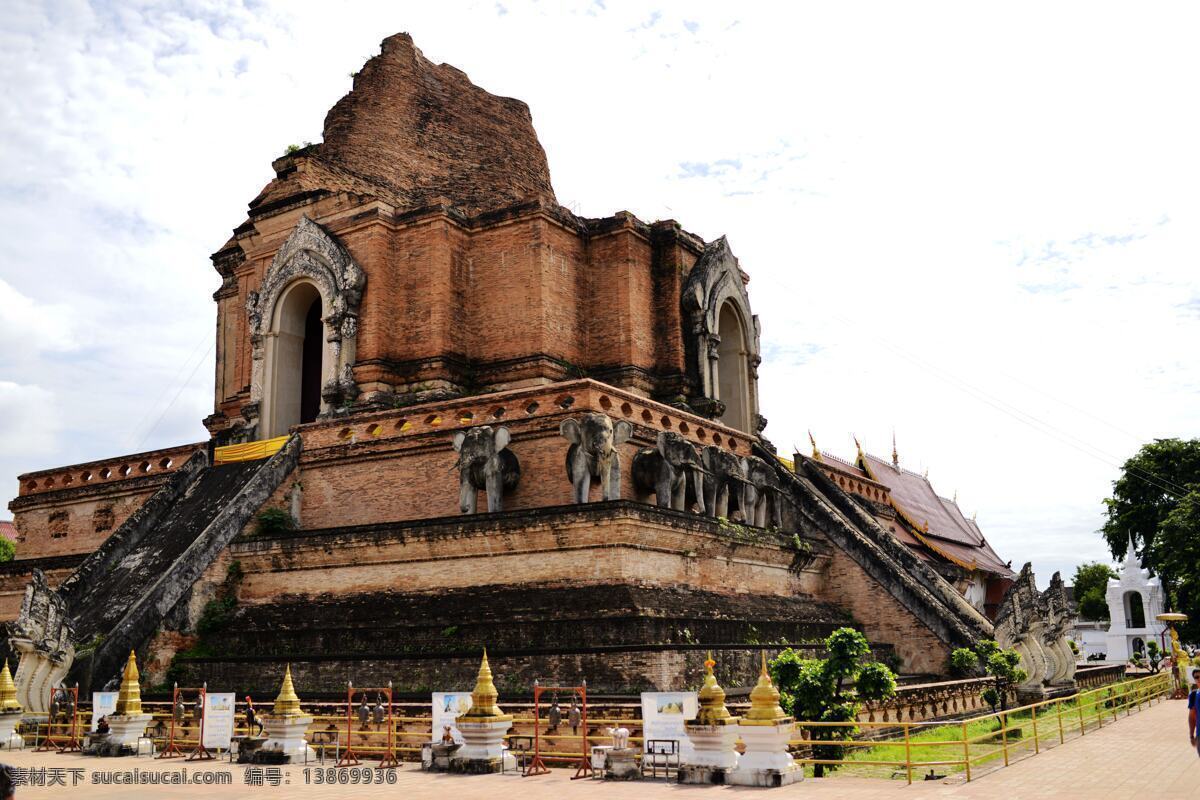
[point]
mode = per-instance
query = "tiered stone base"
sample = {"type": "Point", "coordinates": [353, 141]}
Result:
{"type": "Point", "coordinates": [122, 739]}
{"type": "Point", "coordinates": [620, 764]}
{"type": "Point", "coordinates": [713, 754]}
{"type": "Point", "coordinates": [9, 738]}
{"type": "Point", "coordinates": [766, 761]}
{"type": "Point", "coordinates": [285, 742]}
{"type": "Point", "coordinates": [483, 748]}
{"type": "Point", "coordinates": [700, 775]}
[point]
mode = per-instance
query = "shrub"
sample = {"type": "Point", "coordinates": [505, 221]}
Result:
{"type": "Point", "coordinates": [272, 521]}
{"type": "Point", "coordinates": [8, 550]}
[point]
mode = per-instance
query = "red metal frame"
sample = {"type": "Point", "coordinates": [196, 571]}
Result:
{"type": "Point", "coordinates": [537, 766]}
{"type": "Point", "coordinates": [201, 752]}
{"type": "Point", "coordinates": [70, 743]}
{"type": "Point", "coordinates": [172, 749]}
{"type": "Point", "coordinates": [349, 757]}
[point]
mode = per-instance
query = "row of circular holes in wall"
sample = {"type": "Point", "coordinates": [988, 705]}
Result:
{"type": "Point", "coordinates": [375, 430]}
{"type": "Point", "coordinates": [104, 474]}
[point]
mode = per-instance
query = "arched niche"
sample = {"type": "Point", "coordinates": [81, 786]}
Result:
{"type": "Point", "coordinates": [1135, 611]}
{"type": "Point", "coordinates": [296, 356]}
{"type": "Point", "coordinates": [310, 264]}
{"type": "Point", "coordinates": [732, 369]}
{"type": "Point", "coordinates": [721, 340]}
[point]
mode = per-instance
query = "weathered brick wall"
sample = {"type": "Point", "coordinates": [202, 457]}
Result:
{"type": "Point", "coordinates": [882, 617]}
{"type": "Point", "coordinates": [399, 465]}
{"type": "Point", "coordinates": [493, 303]}
{"type": "Point", "coordinates": [583, 545]}
{"type": "Point", "coordinates": [70, 510]}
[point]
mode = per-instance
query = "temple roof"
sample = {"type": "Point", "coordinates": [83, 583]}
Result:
{"type": "Point", "coordinates": [937, 521]}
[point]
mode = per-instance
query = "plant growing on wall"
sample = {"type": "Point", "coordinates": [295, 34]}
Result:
{"type": "Point", "coordinates": [271, 521]}
{"type": "Point", "coordinates": [831, 689]}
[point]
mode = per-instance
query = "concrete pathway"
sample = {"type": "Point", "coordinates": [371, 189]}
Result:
{"type": "Point", "coordinates": [1144, 755]}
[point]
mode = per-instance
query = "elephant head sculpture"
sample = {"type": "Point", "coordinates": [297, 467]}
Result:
{"type": "Point", "coordinates": [761, 495]}
{"type": "Point", "coordinates": [593, 454]}
{"type": "Point", "coordinates": [484, 462]}
{"type": "Point", "coordinates": [669, 470]}
{"type": "Point", "coordinates": [724, 483]}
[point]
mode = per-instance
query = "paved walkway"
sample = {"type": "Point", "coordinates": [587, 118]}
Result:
{"type": "Point", "coordinates": [1144, 755]}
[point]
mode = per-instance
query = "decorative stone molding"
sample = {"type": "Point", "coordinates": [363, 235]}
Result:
{"type": "Point", "coordinates": [713, 281]}
{"type": "Point", "coordinates": [310, 253]}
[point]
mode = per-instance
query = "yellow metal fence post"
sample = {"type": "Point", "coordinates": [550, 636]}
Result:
{"type": "Point", "coordinates": [966, 750]}
{"type": "Point", "coordinates": [907, 754]}
{"type": "Point", "coordinates": [1079, 705]}
{"type": "Point", "coordinates": [1004, 734]}
{"type": "Point", "coordinates": [1061, 736]}
{"type": "Point", "coordinates": [1036, 745]}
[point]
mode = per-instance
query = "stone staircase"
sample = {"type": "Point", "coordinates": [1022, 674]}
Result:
{"type": "Point", "coordinates": [116, 599]}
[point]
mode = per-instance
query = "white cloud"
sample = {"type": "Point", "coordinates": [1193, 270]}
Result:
{"type": "Point", "coordinates": [976, 226]}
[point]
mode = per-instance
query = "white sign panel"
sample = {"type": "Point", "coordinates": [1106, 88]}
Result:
{"type": "Point", "coordinates": [218, 720]}
{"type": "Point", "coordinates": [663, 715]}
{"type": "Point", "coordinates": [447, 706]}
{"type": "Point", "coordinates": [103, 704]}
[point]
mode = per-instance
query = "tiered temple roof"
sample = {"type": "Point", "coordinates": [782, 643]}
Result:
{"type": "Point", "coordinates": [933, 526]}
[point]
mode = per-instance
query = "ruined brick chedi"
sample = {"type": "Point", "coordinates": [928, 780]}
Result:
{"type": "Point", "coordinates": [476, 419]}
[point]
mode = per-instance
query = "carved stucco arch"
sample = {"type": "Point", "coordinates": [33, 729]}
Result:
{"type": "Point", "coordinates": [714, 282]}
{"type": "Point", "coordinates": [312, 255]}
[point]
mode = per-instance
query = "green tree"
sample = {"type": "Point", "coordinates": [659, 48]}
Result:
{"type": "Point", "coordinates": [1156, 504]}
{"type": "Point", "coordinates": [1091, 581]}
{"type": "Point", "coordinates": [8, 550]}
{"type": "Point", "coordinates": [831, 689]}
{"type": "Point", "coordinates": [1002, 666]}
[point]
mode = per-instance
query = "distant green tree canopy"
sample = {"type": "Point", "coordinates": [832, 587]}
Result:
{"type": "Point", "coordinates": [1156, 503]}
{"type": "Point", "coordinates": [8, 550]}
{"type": "Point", "coordinates": [1091, 581]}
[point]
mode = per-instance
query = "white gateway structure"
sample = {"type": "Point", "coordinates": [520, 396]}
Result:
{"type": "Point", "coordinates": [1134, 601]}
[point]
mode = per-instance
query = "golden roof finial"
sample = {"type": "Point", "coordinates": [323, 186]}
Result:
{"type": "Point", "coordinates": [287, 704]}
{"type": "Point", "coordinates": [764, 701]}
{"type": "Point", "coordinates": [8, 691]}
{"type": "Point", "coordinates": [711, 697]}
{"type": "Point", "coordinates": [129, 700]}
{"type": "Point", "coordinates": [895, 452]}
{"type": "Point", "coordinates": [484, 697]}
{"type": "Point", "coordinates": [815, 452]}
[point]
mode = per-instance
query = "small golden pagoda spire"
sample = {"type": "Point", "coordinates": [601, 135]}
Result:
{"type": "Point", "coordinates": [764, 702]}
{"type": "Point", "coordinates": [287, 704]}
{"type": "Point", "coordinates": [484, 697]}
{"type": "Point", "coordinates": [816, 453]}
{"type": "Point", "coordinates": [712, 709]}
{"type": "Point", "coordinates": [895, 452]}
{"type": "Point", "coordinates": [129, 701]}
{"type": "Point", "coordinates": [8, 691]}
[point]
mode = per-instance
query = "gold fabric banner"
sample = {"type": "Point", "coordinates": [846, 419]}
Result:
{"type": "Point", "coordinates": [250, 451]}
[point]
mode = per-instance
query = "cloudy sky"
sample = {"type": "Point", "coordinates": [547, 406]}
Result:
{"type": "Point", "coordinates": [972, 224]}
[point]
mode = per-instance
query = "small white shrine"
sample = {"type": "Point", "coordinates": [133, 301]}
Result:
{"type": "Point", "coordinates": [1134, 601]}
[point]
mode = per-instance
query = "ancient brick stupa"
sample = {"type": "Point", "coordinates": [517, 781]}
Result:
{"type": "Point", "coordinates": [447, 412]}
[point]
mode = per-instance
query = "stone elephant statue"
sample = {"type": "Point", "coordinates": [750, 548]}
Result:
{"type": "Point", "coordinates": [669, 470]}
{"type": "Point", "coordinates": [761, 498]}
{"type": "Point", "coordinates": [593, 454]}
{"type": "Point", "coordinates": [485, 462]}
{"type": "Point", "coordinates": [724, 483]}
